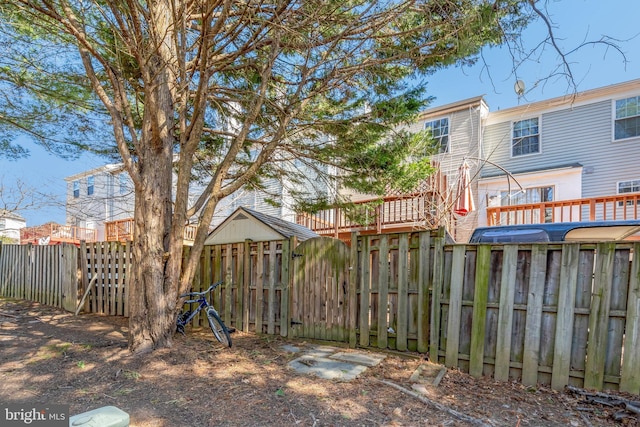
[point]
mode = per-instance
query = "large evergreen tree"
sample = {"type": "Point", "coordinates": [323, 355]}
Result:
{"type": "Point", "coordinates": [229, 92]}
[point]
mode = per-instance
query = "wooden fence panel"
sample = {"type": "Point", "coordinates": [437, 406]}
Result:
{"type": "Point", "coordinates": [599, 316]}
{"type": "Point", "coordinates": [553, 314]}
{"type": "Point", "coordinates": [549, 313]}
{"type": "Point", "coordinates": [505, 319]}
{"type": "Point", "coordinates": [436, 297]}
{"type": "Point", "coordinates": [403, 293]}
{"type": "Point", "coordinates": [11, 271]}
{"type": "Point", "coordinates": [455, 306]}
{"type": "Point", "coordinates": [584, 291]}
{"type": "Point", "coordinates": [424, 241]}
{"type": "Point", "coordinates": [533, 323]}
{"type": "Point", "coordinates": [44, 274]}
{"type": "Point", "coordinates": [383, 291]}
{"type": "Point", "coordinates": [481, 294]}
{"type": "Point", "coordinates": [565, 316]}
{"type": "Point", "coordinates": [365, 287]}
{"type": "Point", "coordinates": [520, 299]}
{"type": "Point", "coordinates": [354, 268]}
{"type": "Point", "coordinates": [630, 373]}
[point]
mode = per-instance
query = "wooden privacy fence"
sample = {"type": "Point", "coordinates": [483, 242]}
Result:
{"type": "Point", "coordinates": [542, 313]}
{"type": "Point", "coordinates": [45, 274]}
{"type": "Point", "coordinates": [103, 277]}
{"type": "Point", "coordinates": [553, 314]}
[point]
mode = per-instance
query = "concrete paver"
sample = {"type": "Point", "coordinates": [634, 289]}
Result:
{"type": "Point", "coordinates": [366, 359]}
{"type": "Point", "coordinates": [332, 363]}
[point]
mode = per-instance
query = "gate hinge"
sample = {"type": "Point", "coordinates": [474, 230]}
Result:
{"type": "Point", "coordinates": [295, 322]}
{"type": "Point", "coordinates": [295, 255]}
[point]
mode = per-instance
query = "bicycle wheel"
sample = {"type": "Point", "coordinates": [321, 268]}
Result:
{"type": "Point", "coordinates": [218, 328]}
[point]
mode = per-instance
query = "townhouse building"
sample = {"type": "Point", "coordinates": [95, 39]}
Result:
{"type": "Point", "coordinates": [10, 226]}
{"type": "Point", "coordinates": [570, 158]}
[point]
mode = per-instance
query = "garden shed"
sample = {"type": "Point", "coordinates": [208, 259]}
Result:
{"type": "Point", "coordinates": [245, 223]}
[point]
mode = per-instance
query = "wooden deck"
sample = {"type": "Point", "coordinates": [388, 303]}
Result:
{"type": "Point", "coordinates": [396, 213]}
{"type": "Point", "coordinates": [605, 208]}
{"type": "Point", "coordinates": [425, 208]}
{"type": "Point", "coordinates": [53, 234]}
{"type": "Point", "coordinates": [122, 231]}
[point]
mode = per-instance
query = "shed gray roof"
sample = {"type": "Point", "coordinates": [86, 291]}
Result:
{"type": "Point", "coordinates": [286, 228]}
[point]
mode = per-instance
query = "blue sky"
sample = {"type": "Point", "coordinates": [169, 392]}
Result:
{"type": "Point", "coordinates": [575, 21]}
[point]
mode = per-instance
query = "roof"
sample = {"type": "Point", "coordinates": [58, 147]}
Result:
{"type": "Point", "coordinates": [245, 223]}
{"type": "Point", "coordinates": [10, 215]}
{"type": "Point", "coordinates": [531, 170]}
{"type": "Point", "coordinates": [286, 228]}
{"type": "Point", "coordinates": [566, 101]}
{"type": "Point", "coordinates": [109, 168]}
{"type": "Point", "coordinates": [454, 106]}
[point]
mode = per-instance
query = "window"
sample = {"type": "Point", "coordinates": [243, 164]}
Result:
{"type": "Point", "coordinates": [440, 132]}
{"type": "Point", "coordinates": [627, 123]}
{"type": "Point", "coordinates": [76, 189]}
{"type": "Point", "coordinates": [530, 195]}
{"type": "Point", "coordinates": [89, 185]}
{"type": "Point", "coordinates": [526, 137]}
{"type": "Point", "coordinates": [629, 187]}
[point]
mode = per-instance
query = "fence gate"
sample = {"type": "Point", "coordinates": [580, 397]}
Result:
{"type": "Point", "coordinates": [319, 293]}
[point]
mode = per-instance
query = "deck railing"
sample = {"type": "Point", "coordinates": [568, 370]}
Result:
{"type": "Point", "coordinates": [52, 233]}
{"type": "Point", "coordinates": [411, 211]}
{"type": "Point", "coordinates": [122, 231]}
{"type": "Point", "coordinates": [604, 208]}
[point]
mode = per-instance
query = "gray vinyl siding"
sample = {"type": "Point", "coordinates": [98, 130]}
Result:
{"type": "Point", "coordinates": [465, 129]}
{"type": "Point", "coordinates": [574, 135]}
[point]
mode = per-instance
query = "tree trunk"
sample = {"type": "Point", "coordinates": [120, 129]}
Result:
{"type": "Point", "coordinates": [157, 252]}
{"type": "Point", "coordinates": [153, 293]}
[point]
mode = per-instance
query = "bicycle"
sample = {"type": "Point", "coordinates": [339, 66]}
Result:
{"type": "Point", "coordinates": [220, 331]}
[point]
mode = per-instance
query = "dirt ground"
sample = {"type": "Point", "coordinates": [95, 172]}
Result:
{"type": "Point", "coordinates": [50, 356]}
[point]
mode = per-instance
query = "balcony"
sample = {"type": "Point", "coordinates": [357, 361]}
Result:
{"type": "Point", "coordinates": [122, 231]}
{"type": "Point", "coordinates": [417, 211]}
{"type": "Point", "coordinates": [604, 208]}
{"type": "Point", "coordinates": [53, 234]}
{"type": "Point", "coordinates": [423, 209]}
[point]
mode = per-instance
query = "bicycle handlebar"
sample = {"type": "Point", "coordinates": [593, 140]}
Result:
{"type": "Point", "coordinates": [212, 287]}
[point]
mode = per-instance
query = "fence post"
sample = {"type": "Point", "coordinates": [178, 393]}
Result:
{"type": "Point", "coordinates": [480, 295]}
{"type": "Point", "coordinates": [365, 291]}
{"type": "Point", "coordinates": [630, 374]}
{"type": "Point", "coordinates": [286, 279]}
{"type": "Point", "coordinates": [436, 296]}
{"type": "Point", "coordinates": [423, 291]}
{"type": "Point", "coordinates": [599, 316]}
{"type": "Point", "coordinates": [353, 291]}
{"type": "Point", "coordinates": [565, 316]}
{"type": "Point", "coordinates": [246, 282]}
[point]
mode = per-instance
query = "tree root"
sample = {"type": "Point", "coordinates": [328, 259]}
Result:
{"type": "Point", "coordinates": [628, 408]}
{"type": "Point", "coordinates": [436, 405]}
